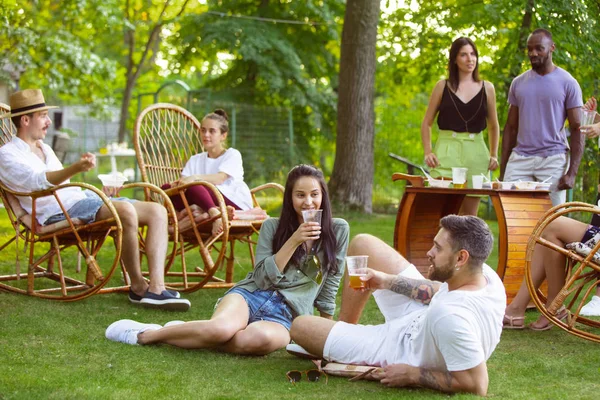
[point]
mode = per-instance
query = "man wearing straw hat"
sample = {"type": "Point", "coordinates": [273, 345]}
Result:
{"type": "Point", "coordinates": [27, 164]}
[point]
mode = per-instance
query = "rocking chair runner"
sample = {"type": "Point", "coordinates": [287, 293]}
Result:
{"type": "Point", "coordinates": [582, 275]}
{"type": "Point", "coordinates": [165, 137]}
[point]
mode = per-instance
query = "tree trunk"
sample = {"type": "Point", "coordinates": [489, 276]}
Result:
{"type": "Point", "coordinates": [351, 183]}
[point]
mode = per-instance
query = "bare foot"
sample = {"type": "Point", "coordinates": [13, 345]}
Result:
{"type": "Point", "coordinates": [217, 226]}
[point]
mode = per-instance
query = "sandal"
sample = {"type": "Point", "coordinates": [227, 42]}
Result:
{"type": "Point", "coordinates": [561, 314]}
{"type": "Point", "coordinates": [510, 322]}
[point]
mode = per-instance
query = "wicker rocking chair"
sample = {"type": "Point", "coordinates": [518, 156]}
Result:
{"type": "Point", "coordinates": [52, 271]}
{"type": "Point", "coordinates": [581, 277]}
{"type": "Point", "coordinates": [165, 137]}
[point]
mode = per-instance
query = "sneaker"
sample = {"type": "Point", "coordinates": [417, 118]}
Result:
{"type": "Point", "coordinates": [591, 309]}
{"type": "Point", "coordinates": [165, 301]}
{"type": "Point", "coordinates": [126, 331]}
{"type": "Point", "coordinates": [135, 299]}
{"type": "Point", "coordinates": [173, 323]}
{"type": "Point", "coordinates": [298, 351]}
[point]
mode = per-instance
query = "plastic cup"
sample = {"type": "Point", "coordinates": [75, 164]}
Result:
{"type": "Point", "coordinates": [112, 180]}
{"type": "Point", "coordinates": [477, 181]}
{"type": "Point", "coordinates": [586, 117]}
{"type": "Point", "coordinates": [312, 215]}
{"type": "Point", "coordinates": [357, 267]}
{"type": "Point", "coordinates": [459, 177]}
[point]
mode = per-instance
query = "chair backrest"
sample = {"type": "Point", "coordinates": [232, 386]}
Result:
{"type": "Point", "coordinates": [165, 137]}
{"type": "Point", "coordinates": [7, 129]}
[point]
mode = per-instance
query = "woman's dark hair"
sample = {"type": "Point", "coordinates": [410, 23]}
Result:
{"type": "Point", "coordinates": [453, 68]}
{"type": "Point", "coordinates": [221, 117]}
{"type": "Point", "coordinates": [288, 221]}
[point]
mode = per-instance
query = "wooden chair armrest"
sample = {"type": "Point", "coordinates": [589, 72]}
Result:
{"type": "Point", "coordinates": [414, 180]}
{"type": "Point", "coordinates": [166, 201]}
{"type": "Point", "coordinates": [220, 201]}
{"type": "Point", "coordinates": [270, 185]}
{"type": "Point", "coordinates": [52, 192]}
{"type": "Point", "coordinates": [260, 188]}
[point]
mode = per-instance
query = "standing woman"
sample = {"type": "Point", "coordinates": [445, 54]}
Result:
{"type": "Point", "coordinates": [298, 267]}
{"type": "Point", "coordinates": [464, 106]}
{"type": "Point", "coordinates": [218, 165]}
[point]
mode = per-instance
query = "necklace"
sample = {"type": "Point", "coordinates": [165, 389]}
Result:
{"type": "Point", "coordinates": [460, 115]}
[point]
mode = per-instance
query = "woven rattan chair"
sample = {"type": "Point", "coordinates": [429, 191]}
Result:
{"type": "Point", "coordinates": [165, 137]}
{"type": "Point", "coordinates": [52, 270]}
{"type": "Point", "coordinates": [582, 276]}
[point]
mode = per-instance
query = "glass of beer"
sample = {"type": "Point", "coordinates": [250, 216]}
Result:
{"type": "Point", "coordinates": [459, 177]}
{"type": "Point", "coordinates": [357, 267]}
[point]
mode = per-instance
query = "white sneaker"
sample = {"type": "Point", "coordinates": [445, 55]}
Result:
{"type": "Point", "coordinates": [127, 330]}
{"type": "Point", "coordinates": [173, 323]}
{"type": "Point", "coordinates": [299, 351]}
{"type": "Point", "coordinates": [591, 309]}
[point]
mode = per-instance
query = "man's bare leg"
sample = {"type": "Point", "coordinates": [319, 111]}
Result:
{"type": "Point", "coordinates": [130, 245]}
{"type": "Point", "coordinates": [154, 216]}
{"type": "Point", "coordinates": [381, 258]}
{"type": "Point", "coordinates": [311, 333]}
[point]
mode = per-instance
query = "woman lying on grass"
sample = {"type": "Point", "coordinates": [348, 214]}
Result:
{"type": "Point", "coordinates": [298, 266]}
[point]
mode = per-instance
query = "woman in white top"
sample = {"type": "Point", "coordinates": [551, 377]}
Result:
{"type": "Point", "coordinates": [217, 165]}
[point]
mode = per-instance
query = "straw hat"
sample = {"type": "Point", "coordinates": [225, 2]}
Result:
{"type": "Point", "coordinates": [27, 101]}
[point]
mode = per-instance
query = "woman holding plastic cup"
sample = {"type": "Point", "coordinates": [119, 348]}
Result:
{"type": "Point", "coordinates": [465, 106]}
{"type": "Point", "coordinates": [218, 165]}
{"type": "Point", "coordinates": [298, 267]}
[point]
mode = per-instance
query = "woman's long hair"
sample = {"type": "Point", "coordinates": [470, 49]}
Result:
{"type": "Point", "coordinates": [453, 68]}
{"type": "Point", "coordinates": [288, 221]}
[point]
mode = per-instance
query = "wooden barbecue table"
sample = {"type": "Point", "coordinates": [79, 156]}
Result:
{"type": "Point", "coordinates": [421, 209]}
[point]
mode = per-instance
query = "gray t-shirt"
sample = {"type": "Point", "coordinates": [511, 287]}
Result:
{"type": "Point", "coordinates": [543, 102]}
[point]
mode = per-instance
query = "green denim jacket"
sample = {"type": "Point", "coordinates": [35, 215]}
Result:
{"type": "Point", "coordinates": [296, 284]}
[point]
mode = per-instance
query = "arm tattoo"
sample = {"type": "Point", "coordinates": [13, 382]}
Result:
{"type": "Point", "coordinates": [417, 289]}
{"type": "Point", "coordinates": [441, 382]}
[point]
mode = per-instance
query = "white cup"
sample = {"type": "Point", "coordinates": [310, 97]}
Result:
{"type": "Point", "coordinates": [477, 181]}
{"type": "Point", "coordinates": [586, 116]}
{"type": "Point", "coordinates": [459, 175]}
{"type": "Point", "coordinates": [112, 180]}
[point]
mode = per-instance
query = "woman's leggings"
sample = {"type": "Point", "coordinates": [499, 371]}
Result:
{"type": "Point", "coordinates": [198, 195]}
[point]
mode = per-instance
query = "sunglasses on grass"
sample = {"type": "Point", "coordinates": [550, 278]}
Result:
{"type": "Point", "coordinates": [313, 375]}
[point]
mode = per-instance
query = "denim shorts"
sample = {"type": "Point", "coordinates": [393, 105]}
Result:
{"type": "Point", "coordinates": [85, 209]}
{"type": "Point", "coordinates": [590, 233]}
{"type": "Point", "coordinates": [265, 305]}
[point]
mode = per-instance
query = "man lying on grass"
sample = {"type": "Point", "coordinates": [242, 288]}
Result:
{"type": "Point", "coordinates": [436, 335]}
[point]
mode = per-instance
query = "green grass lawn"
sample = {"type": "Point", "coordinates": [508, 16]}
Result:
{"type": "Point", "coordinates": [58, 351]}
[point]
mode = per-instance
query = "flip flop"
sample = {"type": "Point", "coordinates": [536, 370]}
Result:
{"type": "Point", "coordinates": [509, 322]}
{"type": "Point", "coordinates": [561, 314]}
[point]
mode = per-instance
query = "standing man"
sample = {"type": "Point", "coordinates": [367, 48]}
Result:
{"type": "Point", "coordinates": [535, 144]}
{"type": "Point", "coordinates": [436, 335]}
{"type": "Point", "coordinates": [27, 164]}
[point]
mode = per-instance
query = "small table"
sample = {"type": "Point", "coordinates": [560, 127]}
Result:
{"type": "Point", "coordinates": [421, 208]}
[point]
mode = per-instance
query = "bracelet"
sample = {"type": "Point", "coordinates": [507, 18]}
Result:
{"type": "Point", "coordinates": [494, 158]}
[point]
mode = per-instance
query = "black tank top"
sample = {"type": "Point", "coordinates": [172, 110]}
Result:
{"type": "Point", "coordinates": [474, 112]}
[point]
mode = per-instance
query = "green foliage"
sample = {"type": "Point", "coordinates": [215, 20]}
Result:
{"type": "Point", "coordinates": [269, 63]}
{"type": "Point", "coordinates": [49, 41]}
{"type": "Point", "coordinates": [413, 50]}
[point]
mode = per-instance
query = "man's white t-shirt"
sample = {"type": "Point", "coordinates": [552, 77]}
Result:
{"type": "Point", "coordinates": [459, 330]}
{"type": "Point", "coordinates": [230, 163]}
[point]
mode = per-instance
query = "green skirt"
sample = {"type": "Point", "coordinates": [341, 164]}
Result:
{"type": "Point", "coordinates": [467, 150]}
